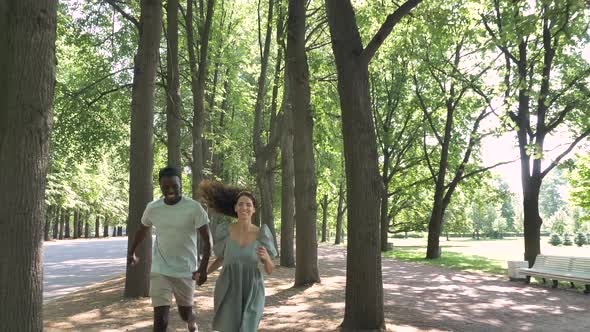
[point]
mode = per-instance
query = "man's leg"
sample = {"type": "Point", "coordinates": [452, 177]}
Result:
{"type": "Point", "coordinates": [188, 315]}
{"type": "Point", "coordinates": [183, 289]}
{"type": "Point", "coordinates": [161, 316]}
{"type": "Point", "coordinates": [161, 293]}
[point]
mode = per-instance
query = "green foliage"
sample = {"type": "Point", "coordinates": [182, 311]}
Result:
{"type": "Point", "coordinates": [550, 200]}
{"type": "Point", "coordinates": [580, 239]}
{"type": "Point", "coordinates": [567, 241]}
{"type": "Point", "coordinates": [555, 239]}
{"type": "Point", "coordinates": [579, 180]}
{"type": "Point", "coordinates": [560, 222]}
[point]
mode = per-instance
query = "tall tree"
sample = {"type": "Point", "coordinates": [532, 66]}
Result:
{"type": "Point", "coordinates": [306, 267]}
{"type": "Point", "coordinates": [364, 286]}
{"type": "Point", "coordinates": [141, 149]}
{"type": "Point", "coordinates": [173, 119]}
{"type": "Point", "coordinates": [287, 183]}
{"type": "Point", "coordinates": [546, 89]}
{"type": "Point", "coordinates": [198, 78]}
{"type": "Point", "coordinates": [265, 153]}
{"type": "Point", "coordinates": [27, 64]}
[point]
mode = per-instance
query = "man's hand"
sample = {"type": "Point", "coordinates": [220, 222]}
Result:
{"type": "Point", "coordinates": [200, 277]}
{"type": "Point", "coordinates": [132, 259]}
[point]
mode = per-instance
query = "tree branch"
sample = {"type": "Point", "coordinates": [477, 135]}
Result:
{"type": "Point", "coordinates": [564, 153]}
{"type": "Point", "coordinates": [386, 28]}
{"type": "Point", "coordinates": [129, 17]}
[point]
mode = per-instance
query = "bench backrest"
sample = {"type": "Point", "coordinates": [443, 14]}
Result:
{"type": "Point", "coordinates": [581, 265]}
{"type": "Point", "coordinates": [563, 263]}
{"type": "Point", "coordinates": [558, 263]}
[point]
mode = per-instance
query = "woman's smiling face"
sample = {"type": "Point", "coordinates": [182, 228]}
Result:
{"type": "Point", "coordinates": [245, 207]}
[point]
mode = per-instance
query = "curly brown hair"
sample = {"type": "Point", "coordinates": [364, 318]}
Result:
{"type": "Point", "coordinates": [222, 197]}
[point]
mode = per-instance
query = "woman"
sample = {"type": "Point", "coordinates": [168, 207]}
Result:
{"type": "Point", "coordinates": [239, 246]}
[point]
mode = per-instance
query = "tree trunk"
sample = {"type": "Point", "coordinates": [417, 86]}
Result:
{"type": "Point", "coordinates": [27, 78]}
{"type": "Point", "coordinates": [384, 215]}
{"type": "Point", "coordinates": [435, 226]}
{"type": "Point", "coordinates": [364, 287]}
{"type": "Point", "coordinates": [105, 227]}
{"type": "Point", "coordinates": [82, 219]}
{"type": "Point", "coordinates": [173, 121]}
{"type": "Point", "coordinates": [288, 184]}
{"type": "Point", "coordinates": [297, 71]}
{"type": "Point", "coordinates": [62, 221]}
{"type": "Point", "coordinates": [48, 215]}
{"type": "Point", "coordinates": [56, 219]}
{"type": "Point", "coordinates": [114, 231]}
{"type": "Point", "coordinates": [264, 152]}
{"type": "Point", "coordinates": [97, 226]}
{"type": "Point", "coordinates": [120, 231]}
{"type": "Point", "coordinates": [67, 234]}
{"type": "Point", "coordinates": [198, 90]}
{"type": "Point", "coordinates": [141, 149]}
{"type": "Point", "coordinates": [340, 213]}
{"type": "Point", "coordinates": [532, 224]}
{"type": "Point", "coordinates": [75, 224]}
{"type": "Point", "coordinates": [86, 228]}
{"type": "Point", "coordinates": [324, 218]}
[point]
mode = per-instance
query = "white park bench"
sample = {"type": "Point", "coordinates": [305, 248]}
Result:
{"type": "Point", "coordinates": [572, 269]}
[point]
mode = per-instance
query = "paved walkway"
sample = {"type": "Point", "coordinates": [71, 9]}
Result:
{"type": "Point", "coordinates": [417, 298]}
{"type": "Point", "coordinates": [69, 265]}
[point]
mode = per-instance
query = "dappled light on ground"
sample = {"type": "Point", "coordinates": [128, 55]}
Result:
{"type": "Point", "coordinates": [417, 297]}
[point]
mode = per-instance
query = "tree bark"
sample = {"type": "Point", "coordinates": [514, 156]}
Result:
{"type": "Point", "coordinates": [297, 71]}
{"type": "Point", "coordinates": [324, 218]}
{"type": "Point", "coordinates": [141, 149]}
{"type": "Point", "coordinates": [75, 224]}
{"type": "Point", "coordinates": [56, 219]}
{"type": "Point", "coordinates": [86, 228]}
{"type": "Point", "coordinates": [364, 287]}
{"type": "Point", "coordinates": [62, 222]}
{"type": "Point", "coordinates": [263, 153]}
{"type": "Point", "coordinates": [67, 234]}
{"type": "Point", "coordinates": [384, 215]}
{"type": "Point", "coordinates": [173, 120]}
{"type": "Point", "coordinates": [105, 227]}
{"type": "Point", "coordinates": [27, 67]}
{"type": "Point", "coordinates": [340, 213]}
{"type": "Point", "coordinates": [287, 184]}
{"type": "Point", "coordinates": [198, 78]}
{"type": "Point", "coordinates": [48, 215]}
{"type": "Point", "coordinates": [97, 226]}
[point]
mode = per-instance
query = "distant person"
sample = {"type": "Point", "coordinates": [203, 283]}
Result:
{"type": "Point", "coordinates": [177, 220]}
{"type": "Point", "coordinates": [239, 247]}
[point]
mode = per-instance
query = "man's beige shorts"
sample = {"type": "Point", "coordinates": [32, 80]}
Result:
{"type": "Point", "coordinates": [162, 287]}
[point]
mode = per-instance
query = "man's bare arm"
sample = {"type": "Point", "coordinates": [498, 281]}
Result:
{"type": "Point", "coordinates": [140, 235]}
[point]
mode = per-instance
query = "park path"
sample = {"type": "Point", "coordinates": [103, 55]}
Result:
{"type": "Point", "coordinates": [417, 297]}
{"type": "Point", "coordinates": [69, 265]}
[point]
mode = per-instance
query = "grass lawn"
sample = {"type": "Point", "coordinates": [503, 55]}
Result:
{"type": "Point", "coordinates": [489, 256]}
{"type": "Point", "coordinates": [452, 260]}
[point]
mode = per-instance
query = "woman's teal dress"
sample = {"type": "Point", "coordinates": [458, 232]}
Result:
{"type": "Point", "coordinates": [239, 290]}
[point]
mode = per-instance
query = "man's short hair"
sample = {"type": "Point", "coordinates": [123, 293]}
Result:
{"type": "Point", "coordinates": [169, 171]}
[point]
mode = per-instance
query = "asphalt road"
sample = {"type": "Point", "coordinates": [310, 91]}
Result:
{"type": "Point", "coordinates": [69, 265]}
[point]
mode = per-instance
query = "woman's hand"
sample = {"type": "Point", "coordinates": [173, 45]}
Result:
{"type": "Point", "coordinates": [263, 254]}
{"type": "Point", "coordinates": [265, 258]}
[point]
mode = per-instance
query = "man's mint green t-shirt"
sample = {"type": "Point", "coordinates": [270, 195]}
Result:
{"type": "Point", "coordinates": [176, 226]}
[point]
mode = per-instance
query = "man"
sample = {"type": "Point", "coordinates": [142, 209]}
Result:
{"type": "Point", "coordinates": [177, 220]}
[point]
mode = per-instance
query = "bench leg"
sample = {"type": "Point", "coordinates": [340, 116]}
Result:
{"type": "Point", "coordinates": [587, 290]}
{"type": "Point", "coordinates": [554, 284]}
{"type": "Point", "coordinates": [528, 280]}
{"type": "Point", "coordinates": [572, 285]}
{"type": "Point", "coordinates": [544, 280]}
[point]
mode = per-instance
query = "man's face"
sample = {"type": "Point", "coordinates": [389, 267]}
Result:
{"type": "Point", "coordinates": [171, 189]}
